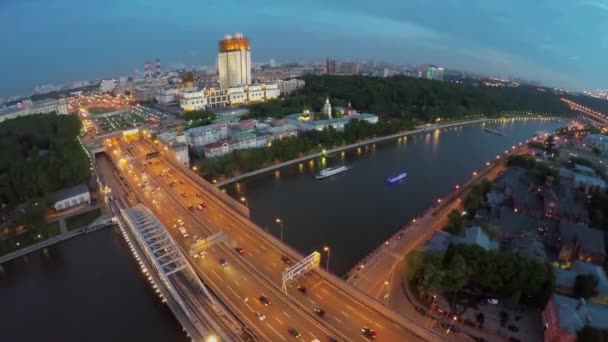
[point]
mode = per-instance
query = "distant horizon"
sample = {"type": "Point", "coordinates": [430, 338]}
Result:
{"type": "Point", "coordinates": [66, 41]}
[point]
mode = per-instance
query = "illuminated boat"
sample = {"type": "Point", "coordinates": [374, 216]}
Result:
{"type": "Point", "coordinates": [330, 171]}
{"type": "Point", "coordinates": [396, 178]}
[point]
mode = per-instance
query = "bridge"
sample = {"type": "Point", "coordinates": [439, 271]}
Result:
{"type": "Point", "coordinates": [249, 263]}
{"type": "Point", "coordinates": [177, 276]}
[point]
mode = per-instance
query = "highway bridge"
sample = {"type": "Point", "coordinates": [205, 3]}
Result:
{"type": "Point", "coordinates": [249, 265]}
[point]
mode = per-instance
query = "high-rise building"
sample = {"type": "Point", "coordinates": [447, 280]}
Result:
{"type": "Point", "coordinates": [331, 66]}
{"type": "Point", "coordinates": [234, 61]}
{"type": "Point", "coordinates": [350, 68]}
{"type": "Point", "coordinates": [434, 73]}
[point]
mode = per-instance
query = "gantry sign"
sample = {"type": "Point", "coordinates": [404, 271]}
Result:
{"type": "Point", "coordinates": [301, 267]}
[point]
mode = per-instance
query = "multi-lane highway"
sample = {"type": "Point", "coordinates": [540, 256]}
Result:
{"type": "Point", "coordinates": [258, 270]}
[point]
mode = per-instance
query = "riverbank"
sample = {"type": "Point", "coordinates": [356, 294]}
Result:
{"type": "Point", "coordinates": [358, 144]}
{"type": "Point", "coordinates": [66, 233]}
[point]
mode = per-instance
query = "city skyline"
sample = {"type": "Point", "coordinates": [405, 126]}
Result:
{"type": "Point", "coordinates": [69, 41]}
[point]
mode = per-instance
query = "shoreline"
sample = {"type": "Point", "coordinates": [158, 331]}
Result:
{"type": "Point", "coordinates": [355, 145]}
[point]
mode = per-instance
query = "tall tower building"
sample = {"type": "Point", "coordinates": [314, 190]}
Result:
{"type": "Point", "coordinates": [234, 61]}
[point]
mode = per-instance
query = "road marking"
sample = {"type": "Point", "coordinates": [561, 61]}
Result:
{"type": "Point", "coordinates": [311, 301]}
{"type": "Point", "coordinates": [276, 332]}
{"type": "Point", "coordinates": [257, 250]}
{"type": "Point", "coordinates": [325, 291]}
{"type": "Point", "coordinates": [344, 313]}
{"type": "Point", "coordinates": [233, 292]}
{"type": "Point", "coordinates": [286, 314]}
{"type": "Point", "coordinates": [278, 320]}
{"type": "Point", "coordinates": [244, 278]}
{"type": "Point", "coordinates": [274, 264]}
{"type": "Point", "coordinates": [317, 284]}
{"type": "Point", "coordinates": [218, 277]}
{"type": "Point", "coordinates": [262, 246]}
{"type": "Point", "coordinates": [267, 268]}
{"type": "Point", "coordinates": [396, 326]}
{"type": "Point", "coordinates": [339, 320]}
{"type": "Point", "coordinates": [250, 308]}
{"type": "Point", "coordinates": [350, 307]}
{"type": "Point", "coordinates": [237, 283]}
{"type": "Point", "coordinates": [378, 325]}
{"type": "Point", "coordinates": [318, 296]}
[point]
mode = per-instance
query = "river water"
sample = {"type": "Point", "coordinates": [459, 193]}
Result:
{"type": "Point", "coordinates": [90, 288]}
{"type": "Point", "coordinates": [355, 211]}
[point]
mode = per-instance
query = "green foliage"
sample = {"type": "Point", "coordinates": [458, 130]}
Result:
{"type": "Point", "coordinates": [39, 154]}
{"type": "Point", "coordinates": [476, 198]}
{"type": "Point", "coordinates": [541, 171]}
{"type": "Point", "coordinates": [502, 273]}
{"type": "Point", "coordinates": [455, 223]}
{"type": "Point", "coordinates": [411, 98]}
{"type": "Point", "coordinates": [197, 118]}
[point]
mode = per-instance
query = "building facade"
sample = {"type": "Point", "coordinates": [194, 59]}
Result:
{"type": "Point", "coordinates": [234, 61]}
{"type": "Point", "coordinates": [71, 197]}
{"type": "Point", "coordinates": [288, 86]}
{"type": "Point", "coordinates": [28, 107]}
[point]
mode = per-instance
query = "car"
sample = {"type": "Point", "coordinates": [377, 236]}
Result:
{"type": "Point", "coordinates": [183, 194]}
{"type": "Point", "coordinates": [286, 260]}
{"type": "Point", "coordinates": [369, 333]}
{"type": "Point", "coordinates": [197, 238]}
{"type": "Point", "coordinates": [421, 310]}
{"type": "Point", "coordinates": [260, 316]}
{"type": "Point", "coordinates": [180, 221]}
{"type": "Point", "coordinates": [170, 171]}
{"type": "Point", "coordinates": [154, 201]}
{"type": "Point", "coordinates": [320, 312]}
{"type": "Point", "coordinates": [239, 250]}
{"type": "Point", "coordinates": [198, 195]}
{"type": "Point", "coordinates": [162, 174]}
{"type": "Point", "coordinates": [203, 254]}
{"type": "Point", "coordinates": [264, 300]}
{"type": "Point", "coordinates": [223, 263]}
{"type": "Point", "coordinates": [181, 182]}
{"type": "Point", "coordinates": [332, 339]}
{"type": "Point", "coordinates": [203, 204]}
{"type": "Point", "coordinates": [302, 289]}
{"type": "Point", "coordinates": [492, 301]}
{"type": "Point", "coordinates": [199, 207]}
{"type": "Point", "coordinates": [191, 207]}
{"type": "Point", "coordinates": [293, 332]}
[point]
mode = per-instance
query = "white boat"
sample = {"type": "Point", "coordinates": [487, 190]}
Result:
{"type": "Point", "coordinates": [330, 171]}
{"type": "Point", "coordinates": [397, 178]}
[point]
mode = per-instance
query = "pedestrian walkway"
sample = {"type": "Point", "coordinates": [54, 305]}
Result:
{"type": "Point", "coordinates": [63, 227]}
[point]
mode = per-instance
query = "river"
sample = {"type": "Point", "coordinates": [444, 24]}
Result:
{"type": "Point", "coordinates": [353, 212]}
{"type": "Point", "coordinates": [88, 288]}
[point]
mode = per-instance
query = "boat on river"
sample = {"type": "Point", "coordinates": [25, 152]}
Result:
{"type": "Point", "coordinates": [330, 171]}
{"type": "Point", "coordinates": [396, 178]}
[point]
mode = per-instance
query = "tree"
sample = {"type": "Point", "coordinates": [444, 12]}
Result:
{"type": "Point", "coordinates": [415, 263]}
{"type": "Point", "coordinates": [455, 223]}
{"type": "Point", "coordinates": [585, 285]}
{"type": "Point", "coordinates": [457, 274]}
{"type": "Point", "coordinates": [589, 334]}
{"type": "Point", "coordinates": [432, 277]}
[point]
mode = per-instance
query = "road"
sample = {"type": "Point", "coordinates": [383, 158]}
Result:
{"type": "Point", "coordinates": [256, 272]}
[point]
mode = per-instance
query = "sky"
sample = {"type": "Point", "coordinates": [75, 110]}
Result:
{"type": "Point", "coordinates": [561, 43]}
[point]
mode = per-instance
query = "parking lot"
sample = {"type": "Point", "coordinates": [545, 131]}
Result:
{"type": "Point", "coordinates": [136, 116]}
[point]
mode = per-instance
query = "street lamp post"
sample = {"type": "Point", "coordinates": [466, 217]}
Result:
{"type": "Point", "coordinates": [280, 223]}
{"type": "Point", "coordinates": [326, 249]}
{"type": "Point", "coordinates": [244, 200]}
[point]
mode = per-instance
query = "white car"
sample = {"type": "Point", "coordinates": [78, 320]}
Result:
{"type": "Point", "coordinates": [260, 316]}
{"type": "Point", "coordinates": [492, 301]}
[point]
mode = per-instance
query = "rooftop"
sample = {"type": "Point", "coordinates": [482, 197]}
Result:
{"type": "Point", "coordinates": [477, 236]}
{"type": "Point", "coordinates": [590, 239]}
{"type": "Point", "coordinates": [573, 314]}
{"type": "Point", "coordinates": [71, 192]}
{"type": "Point", "coordinates": [567, 278]}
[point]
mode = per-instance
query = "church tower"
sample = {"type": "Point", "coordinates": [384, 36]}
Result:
{"type": "Point", "coordinates": [327, 108]}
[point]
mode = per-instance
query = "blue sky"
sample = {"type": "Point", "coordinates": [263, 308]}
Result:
{"type": "Point", "coordinates": [559, 42]}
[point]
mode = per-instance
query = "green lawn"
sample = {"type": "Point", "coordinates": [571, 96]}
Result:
{"type": "Point", "coordinates": [81, 220]}
{"type": "Point", "coordinates": [34, 235]}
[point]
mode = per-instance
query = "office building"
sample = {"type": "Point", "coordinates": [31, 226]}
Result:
{"type": "Point", "coordinates": [349, 68]}
{"type": "Point", "coordinates": [234, 61]}
{"type": "Point", "coordinates": [288, 86]}
{"type": "Point", "coordinates": [29, 107]}
{"type": "Point", "coordinates": [434, 72]}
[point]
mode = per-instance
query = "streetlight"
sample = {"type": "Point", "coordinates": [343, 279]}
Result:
{"type": "Point", "coordinates": [326, 249]}
{"type": "Point", "coordinates": [211, 338]}
{"type": "Point", "coordinates": [194, 168]}
{"type": "Point", "coordinates": [244, 200]}
{"type": "Point", "coordinates": [280, 223]}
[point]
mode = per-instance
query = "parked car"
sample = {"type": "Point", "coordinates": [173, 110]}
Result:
{"type": "Point", "coordinates": [286, 260]}
{"type": "Point", "coordinates": [302, 289]}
